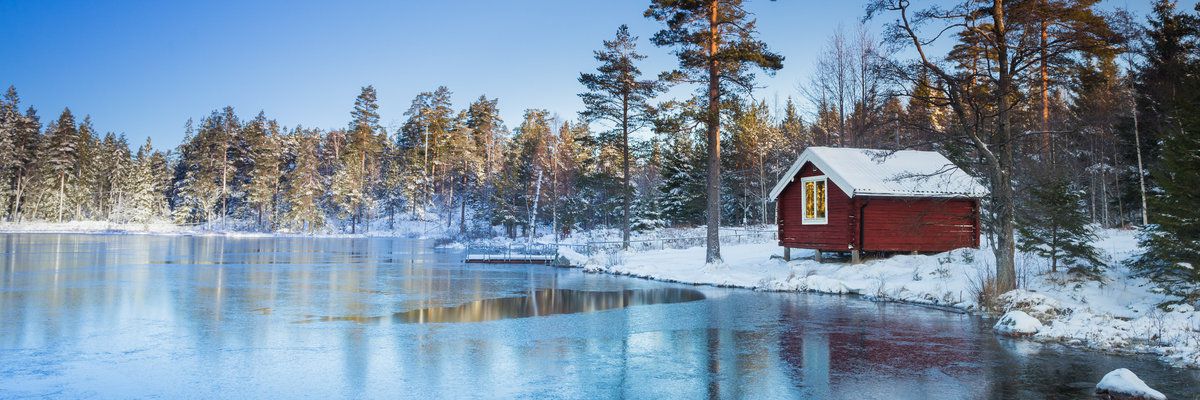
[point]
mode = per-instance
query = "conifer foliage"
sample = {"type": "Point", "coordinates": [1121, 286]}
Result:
{"type": "Point", "coordinates": [716, 43]}
{"type": "Point", "coordinates": [1054, 226]}
{"type": "Point", "coordinates": [617, 95]}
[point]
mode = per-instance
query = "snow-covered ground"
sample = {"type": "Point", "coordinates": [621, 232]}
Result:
{"type": "Point", "coordinates": [93, 227]}
{"type": "Point", "coordinates": [1116, 313]}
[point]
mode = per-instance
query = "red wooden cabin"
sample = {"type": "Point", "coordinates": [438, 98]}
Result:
{"type": "Point", "coordinates": [853, 200]}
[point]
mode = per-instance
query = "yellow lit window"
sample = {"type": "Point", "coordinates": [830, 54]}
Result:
{"type": "Point", "coordinates": [815, 200]}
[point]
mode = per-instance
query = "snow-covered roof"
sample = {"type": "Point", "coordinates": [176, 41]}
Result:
{"type": "Point", "coordinates": [905, 173]}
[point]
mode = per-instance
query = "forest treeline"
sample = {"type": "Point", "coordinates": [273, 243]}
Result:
{"type": "Point", "coordinates": [1074, 117]}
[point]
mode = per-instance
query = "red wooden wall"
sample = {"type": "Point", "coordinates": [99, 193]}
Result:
{"type": "Point", "coordinates": [918, 224]}
{"type": "Point", "coordinates": [889, 223]}
{"type": "Point", "coordinates": [834, 236]}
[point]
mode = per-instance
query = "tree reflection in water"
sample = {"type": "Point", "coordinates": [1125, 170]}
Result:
{"type": "Point", "coordinates": [538, 303]}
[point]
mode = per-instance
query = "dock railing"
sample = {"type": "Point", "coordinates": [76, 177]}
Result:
{"type": "Point", "coordinates": [539, 250]}
{"type": "Point", "coordinates": [741, 236]}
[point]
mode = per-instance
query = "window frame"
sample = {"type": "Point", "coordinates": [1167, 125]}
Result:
{"type": "Point", "coordinates": [804, 220]}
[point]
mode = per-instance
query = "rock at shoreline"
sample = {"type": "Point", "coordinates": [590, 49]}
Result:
{"type": "Point", "coordinates": [1017, 323]}
{"type": "Point", "coordinates": [1123, 384]}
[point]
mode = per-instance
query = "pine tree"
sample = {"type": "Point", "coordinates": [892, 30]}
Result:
{"type": "Point", "coordinates": [355, 180]}
{"type": "Point", "coordinates": [715, 43]}
{"type": "Point", "coordinates": [617, 95]}
{"type": "Point", "coordinates": [488, 132]}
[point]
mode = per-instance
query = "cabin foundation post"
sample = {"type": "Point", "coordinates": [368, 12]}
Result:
{"type": "Point", "coordinates": [817, 256]}
{"type": "Point", "coordinates": [855, 257]}
{"type": "Point", "coordinates": [787, 253]}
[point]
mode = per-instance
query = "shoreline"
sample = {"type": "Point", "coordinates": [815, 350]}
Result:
{"type": "Point", "coordinates": [1118, 315]}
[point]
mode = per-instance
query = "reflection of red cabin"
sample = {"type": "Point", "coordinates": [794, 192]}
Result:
{"type": "Point", "coordinates": [852, 200]}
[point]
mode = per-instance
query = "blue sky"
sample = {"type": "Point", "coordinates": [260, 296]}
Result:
{"type": "Point", "coordinates": [144, 67]}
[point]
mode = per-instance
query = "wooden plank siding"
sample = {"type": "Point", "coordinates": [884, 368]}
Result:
{"type": "Point", "coordinates": [917, 224]}
{"type": "Point", "coordinates": [887, 223]}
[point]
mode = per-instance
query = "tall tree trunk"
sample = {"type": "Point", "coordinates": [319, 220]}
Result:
{"type": "Point", "coordinates": [713, 239]}
{"type": "Point", "coordinates": [62, 183]}
{"type": "Point", "coordinates": [462, 204]}
{"type": "Point", "coordinates": [1002, 190]}
{"type": "Point", "coordinates": [625, 189]}
{"type": "Point", "coordinates": [224, 184]}
{"type": "Point", "coordinates": [537, 195]}
{"type": "Point", "coordinates": [1047, 147]}
{"type": "Point", "coordinates": [1137, 143]}
{"type": "Point", "coordinates": [16, 208]}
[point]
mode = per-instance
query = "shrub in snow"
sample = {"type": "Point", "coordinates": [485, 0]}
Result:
{"type": "Point", "coordinates": [1017, 323]}
{"type": "Point", "coordinates": [1123, 384]}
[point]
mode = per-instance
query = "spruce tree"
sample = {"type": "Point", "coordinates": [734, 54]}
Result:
{"type": "Point", "coordinates": [1054, 225]}
{"type": "Point", "coordinates": [10, 119]}
{"type": "Point", "coordinates": [58, 156]}
{"type": "Point", "coordinates": [1172, 241]}
{"type": "Point", "coordinates": [88, 170]}
{"type": "Point", "coordinates": [795, 135]}
{"type": "Point", "coordinates": [1169, 49]}
{"type": "Point", "coordinates": [681, 192]}
{"type": "Point", "coordinates": [141, 198]}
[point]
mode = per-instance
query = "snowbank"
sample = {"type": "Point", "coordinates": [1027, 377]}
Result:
{"type": "Point", "coordinates": [1017, 323]}
{"type": "Point", "coordinates": [1122, 383]}
{"type": "Point", "coordinates": [1115, 313]}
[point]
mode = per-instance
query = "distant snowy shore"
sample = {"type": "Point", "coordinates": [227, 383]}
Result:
{"type": "Point", "coordinates": [1117, 313]}
{"type": "Point", "coordinates": [407, 229]}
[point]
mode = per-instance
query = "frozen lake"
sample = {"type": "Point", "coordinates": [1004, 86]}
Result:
{"type": "Point", "coordinates": [128, 316]}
